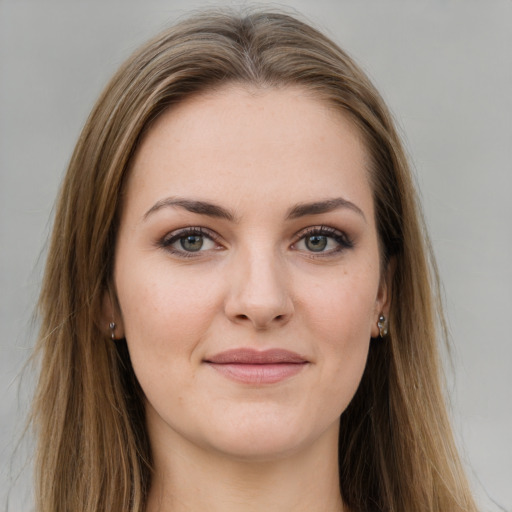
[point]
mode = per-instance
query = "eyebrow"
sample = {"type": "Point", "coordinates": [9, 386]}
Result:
{"type": "Point", "coordinates": [213, 210]}
{"type": "Point", "coordinates": [326, 206]}
{"type": "Point", "coordinates": [200, 207]}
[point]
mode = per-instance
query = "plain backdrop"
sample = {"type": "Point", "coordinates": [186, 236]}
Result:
{"type": "Point", "coordinates": [445, 69]}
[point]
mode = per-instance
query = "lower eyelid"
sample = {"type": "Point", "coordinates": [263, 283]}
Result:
{"type": "Point", "coordinates": [340, 247]}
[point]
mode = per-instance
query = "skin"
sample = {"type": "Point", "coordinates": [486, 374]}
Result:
{"type": "Point", "coordinates": [220, 444]}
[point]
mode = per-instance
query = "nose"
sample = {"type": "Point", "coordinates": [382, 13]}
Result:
{"type": "Point", "coordinates": [259, 292]}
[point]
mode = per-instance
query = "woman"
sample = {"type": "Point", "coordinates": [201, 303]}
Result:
{"type": "Point", "coordinates": [239, 309]}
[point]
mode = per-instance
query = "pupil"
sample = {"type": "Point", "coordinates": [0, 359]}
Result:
{"type": "Point", "coordinates": [192, 243]}
{"type": "Point", "coordinates": [316, 243]}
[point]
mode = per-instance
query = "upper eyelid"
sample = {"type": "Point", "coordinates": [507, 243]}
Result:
{"type": "Point", "coordinates": [209, 232]}
{"type": "Point", "coordinates": [321, 229]}
{"type": "Point", "coordinates": [196, 230]}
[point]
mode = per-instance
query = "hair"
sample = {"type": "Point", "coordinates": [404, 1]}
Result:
{"type": "Point", "coordinates": [396, 448]}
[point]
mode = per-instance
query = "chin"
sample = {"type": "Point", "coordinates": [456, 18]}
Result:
{"type": "Point", "coordinates": [264, 438]}
{"type": "Point", "coordinates": [263, 448]}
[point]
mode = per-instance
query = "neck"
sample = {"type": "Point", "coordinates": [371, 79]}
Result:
{"type": "Point", "coordinates": [187, 478]}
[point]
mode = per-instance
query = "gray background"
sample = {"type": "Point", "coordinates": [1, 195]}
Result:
{"type": "Point", "coordinates": [445, 69]}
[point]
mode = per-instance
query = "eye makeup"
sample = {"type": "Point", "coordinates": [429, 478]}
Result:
{"type": "Point", "coordinates": [316, 241]}
{"type": "Point", "coordinates": [322, 241]}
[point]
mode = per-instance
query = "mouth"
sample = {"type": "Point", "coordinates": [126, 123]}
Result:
{"type": "Point", "coordinates": [250, 366]}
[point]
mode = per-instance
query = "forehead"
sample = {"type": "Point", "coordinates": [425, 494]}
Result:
{"type": "Point", "coordinates": [254, 143]}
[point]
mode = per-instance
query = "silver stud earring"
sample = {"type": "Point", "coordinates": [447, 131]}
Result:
{"type": "Point", "coordinates": [382, 324]}
{"type": "Point", "coordinates": [112, 327]}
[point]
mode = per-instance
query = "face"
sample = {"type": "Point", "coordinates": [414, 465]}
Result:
{"type": "Point", "coordinates": [247, 271]}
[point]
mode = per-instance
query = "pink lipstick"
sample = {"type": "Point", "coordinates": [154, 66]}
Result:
{"type": "Point", "coordinates": [257, 367]}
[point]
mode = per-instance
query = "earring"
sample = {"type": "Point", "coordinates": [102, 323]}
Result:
{"type": "Point", "coordinates": [112, 327]}
{"type": "Point", "coordinates": [382, 324]}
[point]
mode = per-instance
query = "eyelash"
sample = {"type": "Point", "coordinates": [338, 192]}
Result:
{"type": "Point", "coordinates": [341, 238]}
{"type": "Point", "coordinates": [168, 240]}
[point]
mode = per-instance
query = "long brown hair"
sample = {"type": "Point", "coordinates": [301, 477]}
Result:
{"type": "Point", "coordinates": [396, 451]}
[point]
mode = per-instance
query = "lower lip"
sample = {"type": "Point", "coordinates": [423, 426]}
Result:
{"type": "Point", "coordinates": [258, 373]}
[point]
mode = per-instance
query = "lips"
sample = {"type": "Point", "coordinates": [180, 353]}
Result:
{"type": "Point", "coordinates": [257, 367]}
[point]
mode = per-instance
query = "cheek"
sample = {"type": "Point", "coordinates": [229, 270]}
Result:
{"type": "Point", "coordinates": [339, 315]}
{"type": "Point", "coordinates": [165, 315]}
{"type": "Point", "coordinates": [342, 305]}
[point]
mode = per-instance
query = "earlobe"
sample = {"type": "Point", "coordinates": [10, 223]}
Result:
{"type": "Point", "coordinates": [380, 327]}
{"type": "Point", "coordinates": [110, 318]}
{"type": "Point", "coordinates": [112, 326]}
{"type": "Point", "coordinates": [382, 324]}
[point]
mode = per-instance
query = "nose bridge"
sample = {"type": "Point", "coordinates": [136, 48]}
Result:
{"type": "Point", "coordinates": [259, 290]}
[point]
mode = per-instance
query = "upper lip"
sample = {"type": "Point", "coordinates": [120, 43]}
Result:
{"type": "Point", "coordinates": [252, 356]}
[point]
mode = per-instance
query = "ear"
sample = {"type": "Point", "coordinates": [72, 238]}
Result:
{"type": "Point", "coordinates": [383, 301]}
{"type": "Point", "coordinates": [110, 315]}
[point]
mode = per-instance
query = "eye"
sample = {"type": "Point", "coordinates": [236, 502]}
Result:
{"type": "Point", "coordinates": [185, 242]}
{"type": "Point", "coordinates": [192, 243]}
{"type": "Point", "coordinates": [323, 240]}
{"type": "Point", "coordinates": [316, 243]}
